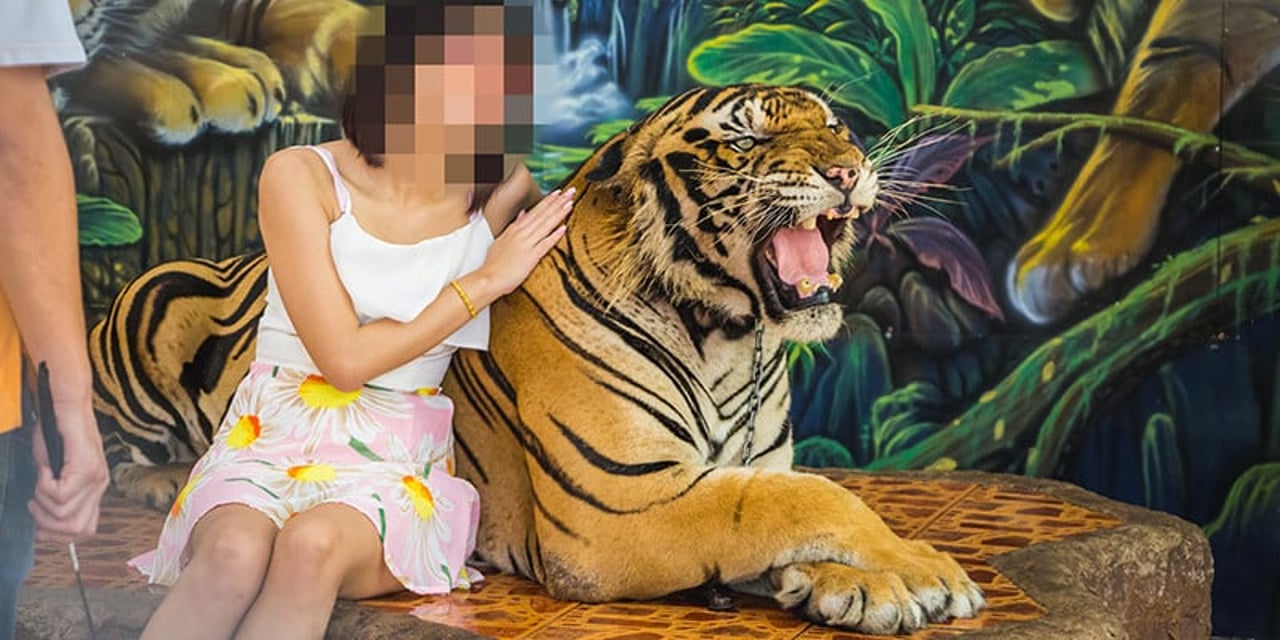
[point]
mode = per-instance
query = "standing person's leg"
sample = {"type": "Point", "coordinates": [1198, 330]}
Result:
{"type": "Point", "coordinates": [324, 553]}
{"type": "Point", "coordinates": [17, 529]}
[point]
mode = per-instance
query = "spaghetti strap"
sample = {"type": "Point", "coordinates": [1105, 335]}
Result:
{"type": "Point", "coordinates": [339, 187]}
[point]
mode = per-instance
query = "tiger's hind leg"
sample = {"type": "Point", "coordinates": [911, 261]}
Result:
{"type": "Point", "coordinates": [156, 485]}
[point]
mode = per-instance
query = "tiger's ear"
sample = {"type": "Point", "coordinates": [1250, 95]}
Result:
{"type": "Point", "coordinates": [609, 161]}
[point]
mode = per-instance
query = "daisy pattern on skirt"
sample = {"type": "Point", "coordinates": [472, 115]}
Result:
{"type": "Point", "coordinates": [205, 470]}
{"type": "Point", "coordinates": [432, 532]}
{"type": "Point", "coordinates": [427, 454]}
{"type": "Point", "coordinates": [317, 408]}
{"type": "Point", "coordinates": [298, 484]}
{"type": "Point", "coordinates": [250, 434]}
{"type": "Point", "coordinates": [244, 429]}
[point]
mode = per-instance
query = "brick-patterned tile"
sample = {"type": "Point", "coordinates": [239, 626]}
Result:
{"type": "Point", "coordinates": [972, 522]}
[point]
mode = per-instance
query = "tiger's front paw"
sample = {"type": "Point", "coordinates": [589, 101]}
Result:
{"type": "Point", "coordinates": [156, 486]}
{"type": "Point", "coordinates": [841, 596]}
{"type": "Point", "coordinates": [880, 602]}
{"type": "Point", "coordinates": [940, 583]}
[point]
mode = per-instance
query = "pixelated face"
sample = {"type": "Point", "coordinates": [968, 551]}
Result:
{"type": "Point", "coordinates": [456, 85]}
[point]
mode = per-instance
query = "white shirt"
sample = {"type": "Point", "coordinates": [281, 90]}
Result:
{"type": "Point", "coordinates": [386, 280]}
{"type": "Point", "coordinates": [40, 33]}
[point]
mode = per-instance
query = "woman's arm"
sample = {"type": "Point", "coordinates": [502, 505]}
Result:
{"type": "Point", "coordinates": [295, 231]}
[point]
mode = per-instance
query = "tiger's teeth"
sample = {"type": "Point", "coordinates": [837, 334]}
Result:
{"type": "Point", "coordinates": [806, 287]}
{"type": "Point", "coordinates": [831, 214]}
{"type": "Point", "coordinates": [809, 223]}
{"type": "Point", "coordinates": [834, 281]}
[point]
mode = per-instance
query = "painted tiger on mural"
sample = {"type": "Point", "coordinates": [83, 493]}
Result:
{"type": "Point", "coordinates": [1195, 61]}
{"type": "Point", "coordinates": [176, 68]}
{"type": "Point", "coordinates": [166, 360]}
{"type": "Point", "coordinates": [627, 429]}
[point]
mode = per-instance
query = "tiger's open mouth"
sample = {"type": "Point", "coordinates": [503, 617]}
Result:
{"type": "Point", "coordinates": [794, 264]}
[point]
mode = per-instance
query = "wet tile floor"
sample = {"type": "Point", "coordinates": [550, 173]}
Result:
{"type": "Point", "coordinates": [971, 521]}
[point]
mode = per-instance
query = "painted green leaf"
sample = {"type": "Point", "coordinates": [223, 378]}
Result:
{"type": "Point", "coordinates": [959, 23]}
{"type": "Point", "coordinates": [1008, 22]}
{"type": "Point", "coordinates": [106, 223]}
{"type": "Point", "coordinates": [1114, 27]}
{"type": "Point", "coordinates": [784, 55]}
{"type": "Point", "coordinates": [645, 105]}
{"type": "Point", "coordinates": [1164, 483]}
{"type": "Point", "coordinates": [821, 452]}
{"type": "Point", "coordinates": [600, 132]}
{"type": "Point", "coordinates": [966, 53]}
{"type": "Point", "coordinates": [569, 154]}
{"type": "Point", "coordinates": [905, 416]}
{"type": "Point", "coordinates": [1025, 76]}
{"type": "Point", "coordinates": [552, 164]}
{"type": "Point", "coordinates": [915, 45]}
{"type": "Point", "coordinates": [843, 20]}
{"type": "Point", "coordinates": [1252, 506]}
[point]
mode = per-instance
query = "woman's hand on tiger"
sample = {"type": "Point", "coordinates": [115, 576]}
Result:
{"type": "Point", "coordinates": [523, 243]}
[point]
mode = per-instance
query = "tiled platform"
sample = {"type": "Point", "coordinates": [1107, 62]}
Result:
{"type": "Point", "coordinates": [972, 520]}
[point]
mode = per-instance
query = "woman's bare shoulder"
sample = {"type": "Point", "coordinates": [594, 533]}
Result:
{"type": "Point", "coordinates": [300, 174]}
{"type": "Point", "coordinates": [518, 191]}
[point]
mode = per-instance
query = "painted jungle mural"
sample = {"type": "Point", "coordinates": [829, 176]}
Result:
{"type": "Point", "coordinates": [1074, 272]}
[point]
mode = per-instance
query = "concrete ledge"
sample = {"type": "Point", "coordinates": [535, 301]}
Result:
{"type": "Point", "coordinates": [46, 613]}
{"type": "Point", "coordinates": [1151, 577]}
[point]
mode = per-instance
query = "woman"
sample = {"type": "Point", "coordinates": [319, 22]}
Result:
{"type": "Point", "coordinates": [331, 474]}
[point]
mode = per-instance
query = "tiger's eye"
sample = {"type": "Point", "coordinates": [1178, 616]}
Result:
{"type": "Point", "coordinates": [745, 143]}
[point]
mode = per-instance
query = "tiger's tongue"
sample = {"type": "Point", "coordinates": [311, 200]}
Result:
{"type": "Point", "coordinates": [800, 254]}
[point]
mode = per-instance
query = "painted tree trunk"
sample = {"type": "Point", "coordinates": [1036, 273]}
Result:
{"type": "Point", "coordinates": [199, 200]}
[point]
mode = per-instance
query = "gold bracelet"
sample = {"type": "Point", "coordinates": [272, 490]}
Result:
{"type": "Point", "coordinates": [471, 308]}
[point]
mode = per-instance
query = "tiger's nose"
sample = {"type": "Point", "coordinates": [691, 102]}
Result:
{"type": "Point", "coordinates": [842, 178]}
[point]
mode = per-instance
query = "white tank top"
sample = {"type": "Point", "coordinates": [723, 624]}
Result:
{"type": "Point", "coordinates": [386, 280]}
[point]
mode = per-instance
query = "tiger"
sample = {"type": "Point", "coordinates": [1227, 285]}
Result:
{"type": "Point", "coordinates": [627, 427]}
{"type": "Point", "coordinates": [178, 68]}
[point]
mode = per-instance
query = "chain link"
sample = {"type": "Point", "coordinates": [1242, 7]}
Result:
{"type": "Point", "coordinates": [757, 368]}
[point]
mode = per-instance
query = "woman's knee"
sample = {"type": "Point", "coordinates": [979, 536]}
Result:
{"type": "Point", "coordinates": [309, 549]}
{"type": "Point", "coordinates": [231, 561]}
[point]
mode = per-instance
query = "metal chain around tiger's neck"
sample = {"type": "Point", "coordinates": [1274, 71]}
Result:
{"type": "Point", "coordinates": [757, 367]}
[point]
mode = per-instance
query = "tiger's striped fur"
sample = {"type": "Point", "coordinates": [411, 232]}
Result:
{"type": "Point", "coordinates": [166, 360]}
{"type": "Point", "coordinates": [607, 424]}
{"type": "Point", "coordinates": [621, 440]}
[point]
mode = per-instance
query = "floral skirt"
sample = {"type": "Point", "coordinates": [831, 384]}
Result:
{"type": "Point", "coordinates": [291, 441]}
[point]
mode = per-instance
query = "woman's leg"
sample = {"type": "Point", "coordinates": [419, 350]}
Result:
{"type": "Point", "coordinates": [326, 552]}
{"type": "Point", "coordinates": [230, 548]}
